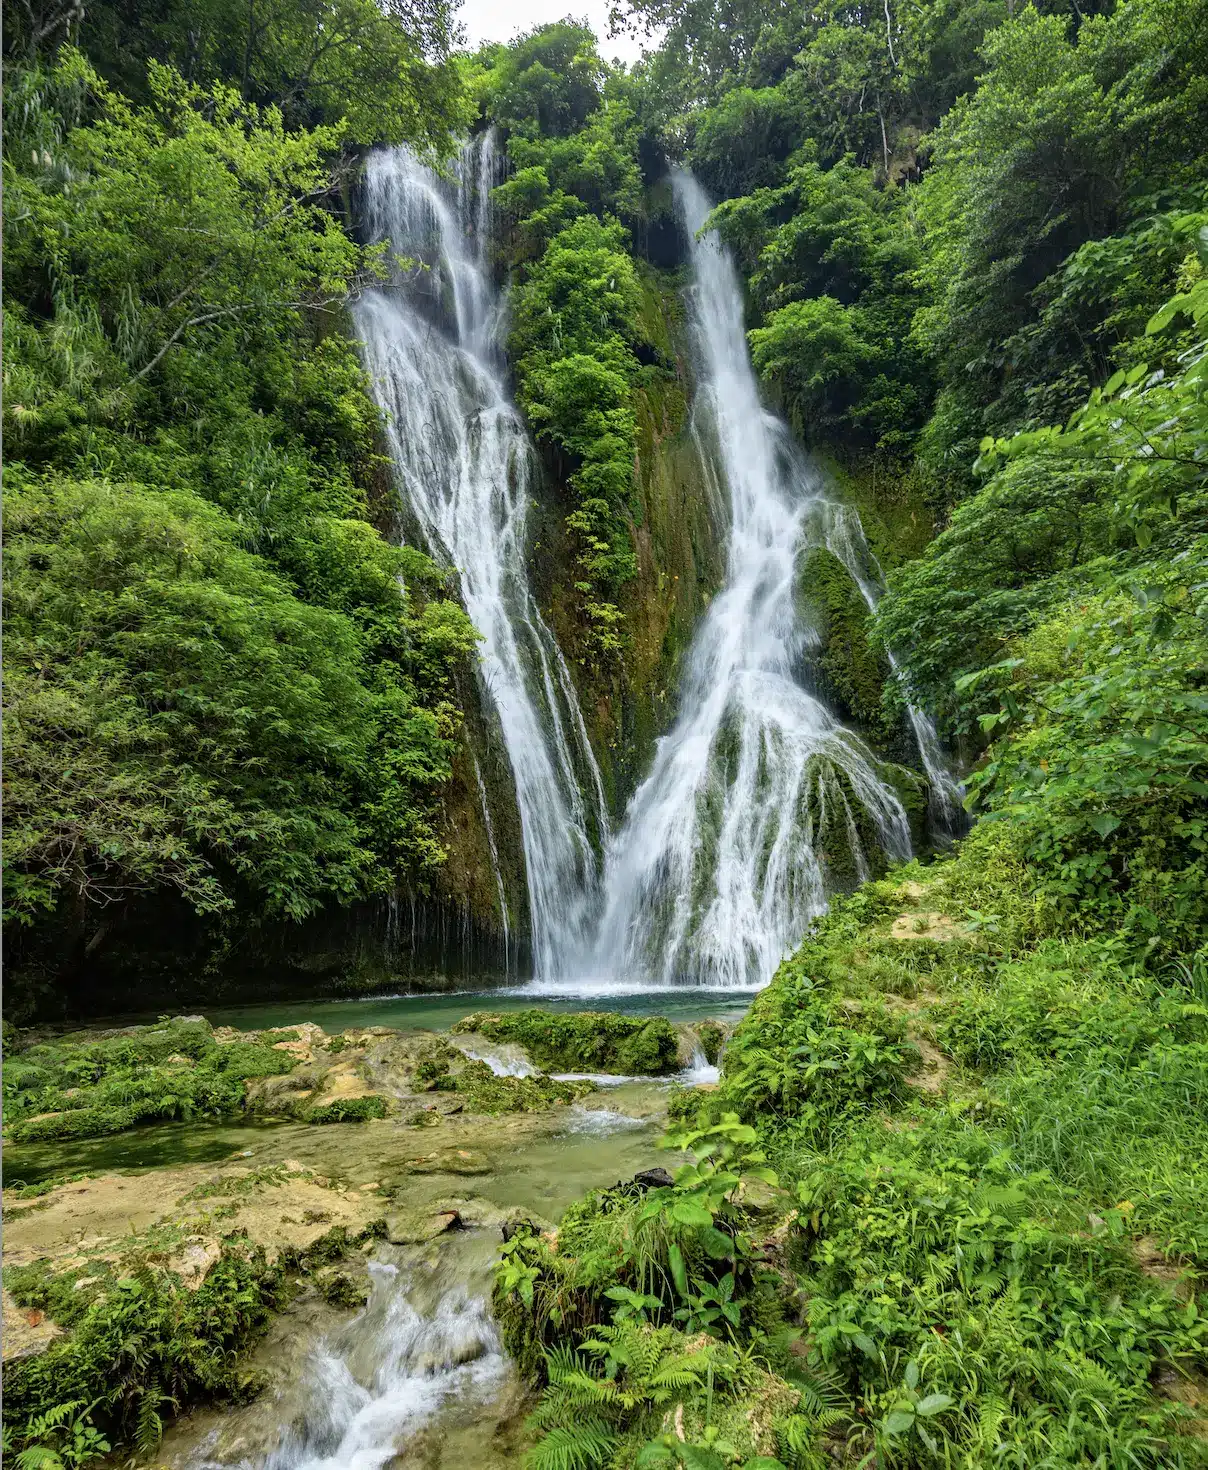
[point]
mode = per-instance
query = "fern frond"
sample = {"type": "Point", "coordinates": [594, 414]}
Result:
{"type": "Point", "coordinates": [585, 1447]}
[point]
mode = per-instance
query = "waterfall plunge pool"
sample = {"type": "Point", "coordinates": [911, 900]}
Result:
{"type": "Point", "coordinates": [437, 1012]}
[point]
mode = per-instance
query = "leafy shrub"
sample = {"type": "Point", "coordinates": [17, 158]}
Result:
{"type": "Point", "coordinates": [816, 1061]}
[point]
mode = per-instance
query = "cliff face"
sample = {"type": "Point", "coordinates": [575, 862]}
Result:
{"type": "Point", "coordinates": [678, 538]}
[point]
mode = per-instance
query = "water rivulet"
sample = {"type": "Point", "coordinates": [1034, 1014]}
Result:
{"type": "Point", "coordinates": [465, 467]}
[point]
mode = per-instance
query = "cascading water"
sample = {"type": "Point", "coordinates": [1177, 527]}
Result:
{"type": "Point", "coordinates": [465, 467]}
{"type": "Point", "coordinates": [371, 1386]}
{"type": "Point", "coordinates": [722, 860]}
{"type": "Point", "coordinates": [843, 536]}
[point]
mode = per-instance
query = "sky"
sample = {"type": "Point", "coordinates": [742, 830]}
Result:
{"type": "Point", "coordinates": [500, 20]}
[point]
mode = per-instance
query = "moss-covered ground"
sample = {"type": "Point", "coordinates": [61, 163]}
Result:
{"type": "Point", "coordinates": [584, 1041]}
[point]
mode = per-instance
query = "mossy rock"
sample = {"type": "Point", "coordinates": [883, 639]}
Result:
{"type": "Point", "coordinates": [712, 1037]}
{"type": "Point", "coordinates": [484, 1092]}
{"type": "Point", "coordinates": [584, 1041]}
{"type": "Point", "coordinates": [89, 1086]}
{"type": "Point", "coordinates": [829, 801]}
{"type": "Point", "coordinates": [418, 1226]}
{"type": "Point", "coordinates": [850, 673]}
{"type": "Point", "coordinates": [350, 1110]}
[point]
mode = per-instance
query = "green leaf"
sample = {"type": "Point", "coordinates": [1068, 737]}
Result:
{"type": "Point", "coordinates": [934, 1403]}
{"type": "Point", "coordinates": [898, 1421]}
{"type": "Point", "coordinates": [689, 1212]}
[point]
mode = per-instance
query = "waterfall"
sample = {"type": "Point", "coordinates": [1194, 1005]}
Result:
{"type": "Point", "coordinates": [843, 536]}
{"type": "Point", "coordinates": [723, 857]}
{"type": "Point", "coordinates": [465, 469]}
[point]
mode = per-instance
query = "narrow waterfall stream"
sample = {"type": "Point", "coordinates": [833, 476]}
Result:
{"type": "Point", "coordinates": [843, 536]}
{"type": "Point", "coordinates": [465, 468]}
{"type": "Point", "coordinates": [721, 863]}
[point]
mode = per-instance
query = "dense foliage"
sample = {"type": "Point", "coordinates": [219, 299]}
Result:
{"type": "Point", "coordinates": [986, 1237]}
{"type": "Point", "coordinates": [223, 683]}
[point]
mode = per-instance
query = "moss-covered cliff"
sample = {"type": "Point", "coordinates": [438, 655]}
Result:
{"type": "Point", "coordinates": [629, 700]}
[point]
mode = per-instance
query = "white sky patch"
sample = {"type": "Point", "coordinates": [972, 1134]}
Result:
{"type": "Point", "coordinates": [502, 20]}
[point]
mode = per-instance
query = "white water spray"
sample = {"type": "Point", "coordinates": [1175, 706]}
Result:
{"type": "Point", "coordinates": [465, 468]}
{"type": "Point", "coordinates": [391, 1371]}
{"type": "Point", "coordinates": [722, 861]}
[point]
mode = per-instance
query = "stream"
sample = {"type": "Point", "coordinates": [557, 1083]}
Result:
{"type": "Point", "coordinates": [418, 1378]}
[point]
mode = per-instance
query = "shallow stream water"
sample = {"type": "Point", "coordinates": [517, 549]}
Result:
{"type": "Point", "coordinates": [418, 1378]}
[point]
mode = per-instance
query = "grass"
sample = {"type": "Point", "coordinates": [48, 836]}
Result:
{"type": "Point", "coordinates": [991, 1130]}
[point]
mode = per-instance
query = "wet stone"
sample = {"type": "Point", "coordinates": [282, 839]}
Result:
{"type": "Point", "coordinates": [415, 1227]}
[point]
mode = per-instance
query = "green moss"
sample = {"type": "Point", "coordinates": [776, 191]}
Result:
{"type": "Point", "coordinates": [912, 790]}
{"type": "Point", "coordinates": [832, 813]}
{"type": "Point", "coordinates": [339, 1289]}
{"type": "Point", "coordinates": [90, 1087]}
{"type": "Point", "coordinates": [584, 1041]}
{"type": "Point", "coordinates": [892, 503]}
{"type": "Point", "coordinates": [712, 1037]}
{"type": "Point", "coordinates": [484, 1092]}
{"type": "Point", "coordinates": [349, 1110]}
{"type": "Point", "coordinates": [851, 673]}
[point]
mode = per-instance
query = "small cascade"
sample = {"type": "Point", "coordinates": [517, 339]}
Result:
{"type": "Point", "coordinates": [503, 1060]}
{"type": "Point", "coordinates": [388, 1373]}
{"type": "Point", "coordinates": [465, 470]}
{"type": "Point", "coordinates": [843, 535]}
{"type": "Point", "coordinates": [758, 793]}
{"type": "Point", "coordinates": [700, 1071]}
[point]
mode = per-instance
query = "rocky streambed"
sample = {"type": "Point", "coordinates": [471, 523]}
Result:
{"type": "Point", "coordinates": [305, 1282]}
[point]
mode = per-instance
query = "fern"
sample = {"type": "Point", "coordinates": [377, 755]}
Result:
{"type": "Point", "coordinates": [39, 1457]}
{"type": "Point", "coordinates": [584, 1447]}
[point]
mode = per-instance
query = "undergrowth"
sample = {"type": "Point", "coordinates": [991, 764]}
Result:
{"type": "Point", "coordinates": [996, 1258]}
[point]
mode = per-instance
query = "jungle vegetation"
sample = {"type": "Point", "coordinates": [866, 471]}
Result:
{"type": "Point", "coordinates": [974, 237]}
